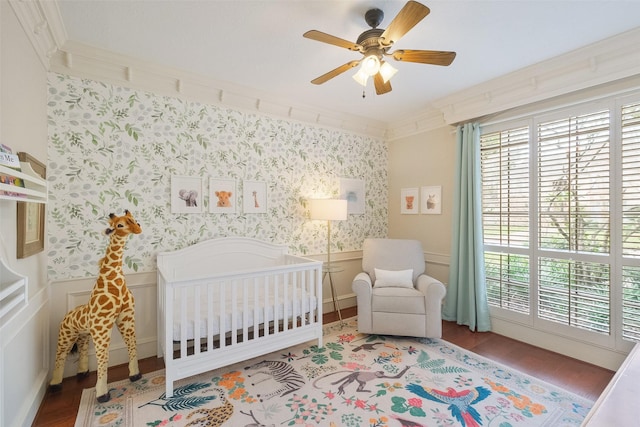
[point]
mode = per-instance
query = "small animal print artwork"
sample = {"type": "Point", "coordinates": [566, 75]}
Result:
{"type": "Point", "coordinates": [186, 194]}
{"type": "Point", "coordinates": [409, 202]}
{"type": "Point", "coordinates": [189, 196]}
{"type": "Point", "coordinates": [254, 195]}
{"type": "Point", "coordinates": [431, 200]}
{"type": "Point", "coordinates": [224, 199]}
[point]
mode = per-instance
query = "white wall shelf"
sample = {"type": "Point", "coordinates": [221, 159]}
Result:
{"type": "Point", "coordinates": [13, 292]}
{"type": "Point", "coordinates": [35, 189]}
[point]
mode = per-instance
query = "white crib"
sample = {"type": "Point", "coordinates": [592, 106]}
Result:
{"type": "Point", "coordinates": [225, 300]}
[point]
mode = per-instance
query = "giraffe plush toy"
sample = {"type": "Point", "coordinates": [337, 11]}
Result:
{"type": "Point", "coordinates": [110, 302]}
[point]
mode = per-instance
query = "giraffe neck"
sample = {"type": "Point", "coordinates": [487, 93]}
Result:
{"type": "Point", "coordinates": [111, 265]}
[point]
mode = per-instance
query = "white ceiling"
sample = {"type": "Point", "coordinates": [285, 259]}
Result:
{"type": "Point", "coordinates": [259, 44]}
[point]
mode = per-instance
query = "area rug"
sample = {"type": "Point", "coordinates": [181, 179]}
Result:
{"type": "Point", "coordinates": [354, 380]}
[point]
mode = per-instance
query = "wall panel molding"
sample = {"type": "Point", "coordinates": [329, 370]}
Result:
{"type": "Point", "coordinates": [67, 294]}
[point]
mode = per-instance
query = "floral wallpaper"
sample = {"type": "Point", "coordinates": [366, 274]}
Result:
{"type": "Point", "coordinates": [113, 148]}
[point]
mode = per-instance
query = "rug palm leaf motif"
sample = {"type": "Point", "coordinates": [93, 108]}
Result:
{"type": "Point", "coordinates": [353, 380]}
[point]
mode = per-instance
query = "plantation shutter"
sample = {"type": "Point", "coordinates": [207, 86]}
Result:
{"type": "Point", "coordinates": [505, 212]}
{"type": "Point", "coordinates": [574, 221]}
{"type": "Point", "coordinates": [630, 125]}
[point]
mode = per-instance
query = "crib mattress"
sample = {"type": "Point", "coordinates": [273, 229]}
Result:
{"type": "Point", "coordinates": [223, 324]}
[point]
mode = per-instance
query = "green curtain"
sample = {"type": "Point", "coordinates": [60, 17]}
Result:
{"type": "Point", "coordinates": [466, 300]}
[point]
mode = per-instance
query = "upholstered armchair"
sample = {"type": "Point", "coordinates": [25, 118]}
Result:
{"type": "Point", "coordinates": [394, 296]}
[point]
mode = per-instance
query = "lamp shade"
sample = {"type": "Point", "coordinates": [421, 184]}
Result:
{"type": "Point", "coordinates": [328, 209]}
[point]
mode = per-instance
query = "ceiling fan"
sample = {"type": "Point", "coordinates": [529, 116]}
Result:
{"type": "Point", "coordinates": [374, 45]}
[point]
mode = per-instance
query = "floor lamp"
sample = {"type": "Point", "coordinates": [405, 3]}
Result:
{"type": "Point", "coordinates": [329, 210]}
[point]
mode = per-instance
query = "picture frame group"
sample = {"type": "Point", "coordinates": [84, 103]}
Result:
{"type": "Point", "coordinates": [426, 200]}
{"type": "Point", "coordinates": [187, 195]}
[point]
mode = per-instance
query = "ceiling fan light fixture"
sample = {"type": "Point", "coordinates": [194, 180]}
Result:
{"type": "Point", "coordinates": [370, 65]}
{"type": "Point", "coordinates": [387, 71]}
{"type": "Point", "coordinates": [361, 77]}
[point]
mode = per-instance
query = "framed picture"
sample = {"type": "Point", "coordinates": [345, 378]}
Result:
{"type": "Point", "coordinates": [431, 200]}
{"type": "Point", "coordinates": [353, 191]}
{"type": "Point", "coordinates": [31, 216]}
{"type": "Point", "coordinates": [409, 201]}
{"type": "Point", "coordinates": [223, 197]}
{"type": "Point", "coordinates": [186, 194]}
{"type": "Point", "coordinates": [254, 197]}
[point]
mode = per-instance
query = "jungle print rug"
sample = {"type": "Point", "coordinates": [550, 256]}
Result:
{"type": "Point", "coordinates": [355, 380]}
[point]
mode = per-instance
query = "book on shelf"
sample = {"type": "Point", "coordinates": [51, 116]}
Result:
{"type": "Point", "coordinates": [10, 160]}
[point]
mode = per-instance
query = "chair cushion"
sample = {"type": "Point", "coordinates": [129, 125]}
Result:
{"type": "Point", "coordinates": [393, 278]}
{"type": "Point", "coordinates": [398, 300]}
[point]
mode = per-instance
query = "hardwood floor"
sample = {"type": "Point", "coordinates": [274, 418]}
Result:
{"type": "Point", "coordinates": [60, 409]}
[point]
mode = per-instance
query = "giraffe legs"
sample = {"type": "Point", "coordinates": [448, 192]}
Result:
{"type": "Point", "coordinates": [67, 336]}
{"type": "Point", "coordinates": [126, 324]}
{"type": "Point", "coordinates": [101, 340]}
{"type": "Point", "coordinates": [83, 359]}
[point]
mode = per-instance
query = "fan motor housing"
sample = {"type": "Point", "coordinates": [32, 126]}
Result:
{"type": "Point", "coordinates": [370, 38]}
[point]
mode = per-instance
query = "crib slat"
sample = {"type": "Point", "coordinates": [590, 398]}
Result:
{"type": "Point", "coordinates": [285, 300]}
{"type": "Point", "coordinates": [294, 301]}
{"type": "Point", "coordinates": [196, 320]}
{"type": "Point", "coordinates": [304, 298]}
{"type": "Point", "coordinates": [222, 295]}
{"type": "Point", "coordinates": [245, 309]}
{"type": "Point", "coordinates": [256, 308]}
{"type": "Point", "coordinates": [210, 311]}
{"type": "Point", "coordinates": [276, 298]}
{"type": "Point", "coordinates": [234, 312]}
{"type": "Point", "coordinates": [183, 321]}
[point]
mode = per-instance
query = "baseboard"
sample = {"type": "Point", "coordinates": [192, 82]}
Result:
{"type": "Point", "coordinates": [27, 413]}
{"type": "Point", "coordinates": [563, 345]}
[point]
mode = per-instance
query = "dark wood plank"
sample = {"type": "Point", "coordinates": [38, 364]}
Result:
{"type": "Point", "coordinates": [60, 409]}
{"type": "Point", "coordinates": [574, 375]}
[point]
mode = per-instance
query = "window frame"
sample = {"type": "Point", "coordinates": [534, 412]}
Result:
{"type": "Point", "coordinates": [614, 340]}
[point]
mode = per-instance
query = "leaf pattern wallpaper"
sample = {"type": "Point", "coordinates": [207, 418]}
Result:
{"type": "Point", "coordinates": [113, 148]}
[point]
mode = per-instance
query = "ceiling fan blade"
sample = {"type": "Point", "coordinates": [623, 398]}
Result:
{"type": "Point", "coordinates": [412, 13]}
{"type": "Point", "coordinates": [328, 38]}
{"type": "Point", "coordinates": [381, 86]}
{"type": "Point", "coordinates": [335, 72]}
{"type": "Point", "coordinates": [435, 57]}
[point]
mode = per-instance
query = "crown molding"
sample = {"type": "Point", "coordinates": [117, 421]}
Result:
{"type": "Point", "coordinates": [425, 121]}
{"type": "Point", "coordinates": [42, 23]}
{"type": "Point", "coordinates": [606, 61]}
{"type": "Point", "coordinates": [85, 61]}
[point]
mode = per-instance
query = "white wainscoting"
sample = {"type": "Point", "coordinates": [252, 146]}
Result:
{"type": "Point", "coordinates": [24, 369]}
{"type": "Point", "coordinates": [68, 294]}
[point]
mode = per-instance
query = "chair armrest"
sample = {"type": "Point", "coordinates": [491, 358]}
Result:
{"type": "Point", "coordinates": [361, 285]}
{"type": "Point", "coordinates": [431, 287]}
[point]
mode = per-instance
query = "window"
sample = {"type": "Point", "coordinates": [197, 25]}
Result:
{"type": "Point", "coordinates": [573, 220]}
{"type": "Point", "coordinates": [553, 193]}
{"type": "Point", "coordinates": [505, 208]}
{"type": "Point", "coordinates": [630, 136]}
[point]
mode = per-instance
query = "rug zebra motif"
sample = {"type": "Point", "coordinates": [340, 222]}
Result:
{"type": "Point", "coordinates": [355, 380]}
